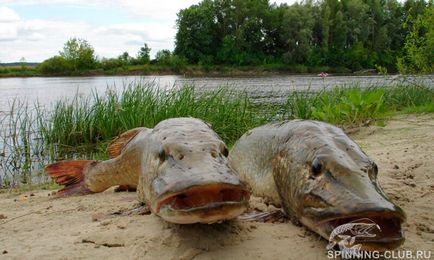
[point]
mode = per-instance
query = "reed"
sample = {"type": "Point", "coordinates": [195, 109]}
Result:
{"type": "Point", "coordinates": [98, 118]}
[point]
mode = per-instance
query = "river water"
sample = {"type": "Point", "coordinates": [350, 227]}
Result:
{"type": "Point", "coordinates": [49, 90]}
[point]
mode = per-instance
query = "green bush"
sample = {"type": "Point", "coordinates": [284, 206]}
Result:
{"type": "Point", "coordinates": [55, 65]}
{"type": "Point", "coordinates": [353, 107]}
{"type": "Point", "coordinates": [110, 64]}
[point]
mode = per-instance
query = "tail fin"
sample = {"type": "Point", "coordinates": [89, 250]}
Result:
{"type": "Point", "coordinates": [70, 174]}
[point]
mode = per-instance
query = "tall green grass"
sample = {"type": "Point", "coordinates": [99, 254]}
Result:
{"type": "Point", "coordinates": [22, 146]}
{"type": "Point", "coordinates": [354, 106]}
{"type": "Point", "coordinates": [31, 136]}
{"type": "Point", "coordinates": [100, 118]}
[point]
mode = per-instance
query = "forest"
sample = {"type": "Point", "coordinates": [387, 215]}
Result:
{"type": "Point", "coordinates": [352, 34]}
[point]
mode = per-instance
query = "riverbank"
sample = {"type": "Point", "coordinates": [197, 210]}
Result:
{"type": "Point", "coordinates": [36, 225]}
{"type": "Point", "coordinates": [189, 70]}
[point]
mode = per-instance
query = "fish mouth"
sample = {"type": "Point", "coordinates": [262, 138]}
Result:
{"type": "Point", "coordinates": [203, 204]}
{"type": "Point", "coordinates": [374, 231]}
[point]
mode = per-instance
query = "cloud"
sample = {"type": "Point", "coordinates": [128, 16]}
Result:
{"type": "Point", "coordinates": [34, 39]}
{"type": "Point", "coordinates": [8, 15]}
{"type": "Point", "coordinates": [7, 33]}
{"type": "Point", "coordinates": [39, 39]}
{"type": "Point", "coordinates": [161, 10]}
{"type": "Point", "coordinates": [112, 40]}
{"type": "Point", "coordinates": [8, 20]}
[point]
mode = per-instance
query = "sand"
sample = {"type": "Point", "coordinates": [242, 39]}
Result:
{"type": "Point", "coordinates": [34, 225]}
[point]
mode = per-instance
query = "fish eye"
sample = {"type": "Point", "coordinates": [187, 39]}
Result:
{"type": "Point", "coordinates": [316, 167]}
{"type": "Point", "coordinates": [214, 154]}
{"type": "Point", "coordinates": [162, 155]}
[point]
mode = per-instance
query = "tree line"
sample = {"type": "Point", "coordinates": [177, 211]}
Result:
{"type": "Point", "coordinates": [352, 34]}
{"type": "Point", "coordinates": [326, 35]}
{"type": "Point", "coordinates": [78, 57]}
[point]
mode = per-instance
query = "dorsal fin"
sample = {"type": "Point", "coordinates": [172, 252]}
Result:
{"type": "Point", "coordinates": [116, 145]}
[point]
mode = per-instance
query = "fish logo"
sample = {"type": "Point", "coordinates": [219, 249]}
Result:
{"type": "Point", "coordinates": [345, 235]}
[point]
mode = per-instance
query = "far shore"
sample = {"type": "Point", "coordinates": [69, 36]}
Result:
{"type": "Point", "coordinates": [192, 71]}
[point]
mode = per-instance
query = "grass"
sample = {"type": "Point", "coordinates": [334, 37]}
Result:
{"type": "Point", "coordinates": [23, 71]}
{"type": "Point", "coordinates": [355, 106]}
{"type": "Point", "coordinates": [31, 136]}
{"type": "Point", "coordinates": [100, 118]}
{"type": "Point", "coordinates": [22, 147]}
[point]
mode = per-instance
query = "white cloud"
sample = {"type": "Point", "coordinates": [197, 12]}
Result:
{"type": "Point", "coordinates": [112, 40]}
{"type": "Point", "coordinates": [35, 39]}
{"type": "Point", "coordinates": [161, 10]}
{"type": "Point", "coordinates": [8, 33]}
{"type": "Point", "coordinates": [39, 39]}
{"type": "Point", "coordinates": [8, 15]}
{"type": "Point", "coordinates": [8, 24]}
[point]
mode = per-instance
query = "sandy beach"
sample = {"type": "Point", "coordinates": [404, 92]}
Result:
{"type": "Point", "coordinates": [35, 225]}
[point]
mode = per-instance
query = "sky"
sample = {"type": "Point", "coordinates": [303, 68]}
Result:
{"type": "Point", "coordinates": [37, 29]}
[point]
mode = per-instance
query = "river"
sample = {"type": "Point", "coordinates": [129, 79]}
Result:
{"type": "Point", "coordinates": [47, 90]}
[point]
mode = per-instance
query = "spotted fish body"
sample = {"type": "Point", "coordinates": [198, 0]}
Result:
{"type": "Point", "coordinates": [180, 169]}
{"type": "Point", "coordinates": [318, 175]}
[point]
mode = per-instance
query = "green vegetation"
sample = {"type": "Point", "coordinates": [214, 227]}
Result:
{"type": "Point", "coordinates": [56, 65]}
{"type": "Point", "coordinates": [98, 119]}
{"type": "Point", "coordinates": [81, 128]}
{"type": "Point", "coordinates": [79, 54]}
{"type": "Point", "coordinates": [341, 106]}
{"type": "Point", "coordinates": [419, 45]}
{"type": "Point", "coordinates": [234, 37]}
{"type": "Point", "coordinates": [355, 106]}
{"type": "Point", "coordinates": [18, 70]}
{"type": "Point", "coordinates": [353, 34]}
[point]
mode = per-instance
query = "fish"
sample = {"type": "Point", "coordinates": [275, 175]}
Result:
{"type": "Point", "coordinates": [180, 170]}
{"type": "Point", "coordinates": [320, 177]}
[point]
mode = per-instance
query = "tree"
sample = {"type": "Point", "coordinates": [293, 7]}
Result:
{"type": "Point", "coordinates": [169, 59]}
{"type": "Point", "coordinates": [163, 57]}
{"type": "Point", "coordinates": [298, 23]}
{"type": "Point", "coordinates": [143, 57]}
{"type": "Point", "coordinates": [357, 20]}
{"type": "Point", "coordinates": [79, 53]}
{"type": "Point", "coordinates": [354, 34]}
{"type": "Point", "coordinates": [23, 63]}
{"type": "Point", "coordinates": [325, 26]}
{"type": "Point", "coordinates": [419, 45]}
{"type": "Point", "coordinates": [196, 39]}
{"type": "Point", "coordinates": [125, 58]}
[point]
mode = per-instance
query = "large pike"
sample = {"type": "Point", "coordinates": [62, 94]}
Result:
{"type": "Point", "coordinates": [180, 169]}
{"type": "Point", "coordinates": [320, 177]}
